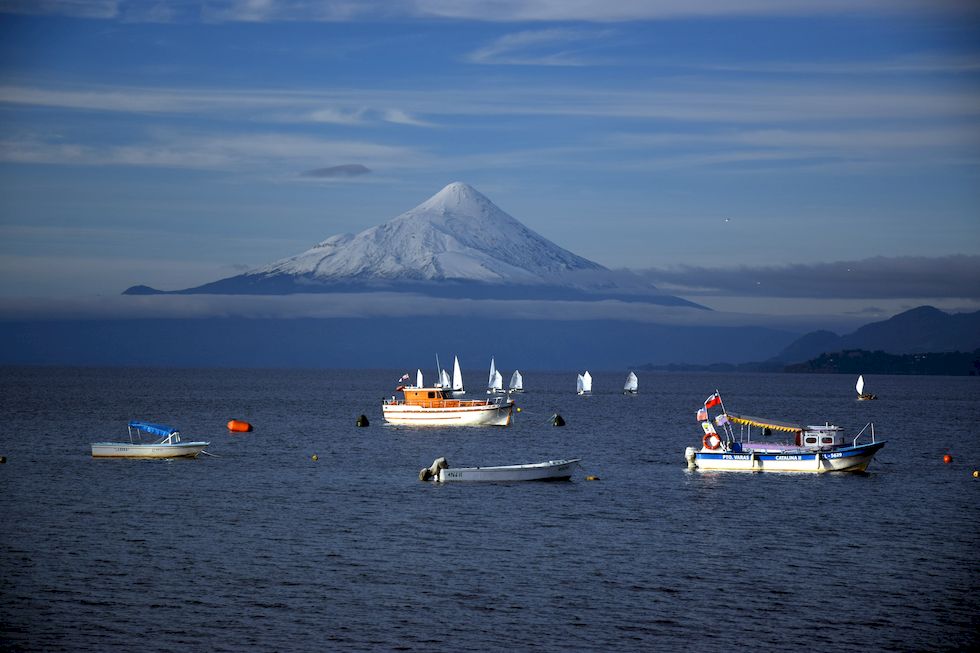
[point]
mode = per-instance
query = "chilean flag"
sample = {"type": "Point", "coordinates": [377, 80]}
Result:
{"type": "Point", "coordinates": [713, 400]}
{"type": "Point", "coordinates": [702, 414]}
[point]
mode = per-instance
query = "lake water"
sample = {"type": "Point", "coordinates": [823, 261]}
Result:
{"type": "Point", "coordinates": [264, 549]}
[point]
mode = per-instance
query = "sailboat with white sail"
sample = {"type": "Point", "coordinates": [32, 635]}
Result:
{"type": "Point", "coordinates": [516, 382]}
{"type": "Point", "coordinates": [583, 384]}
{"type": "Point", "coordinates": [457, 378]}
{"type": "Point", "coordinates": [495, 384]}
{"type": "Point", "coordinates": [631, 384]}
{"type": "Point", "coordinates": [861, 394]}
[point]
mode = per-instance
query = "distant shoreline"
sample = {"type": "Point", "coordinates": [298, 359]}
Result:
{"type": "Point", "coordinates": [851, 361]}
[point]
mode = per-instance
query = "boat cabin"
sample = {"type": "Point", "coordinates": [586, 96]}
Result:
{"type": "Point", "coordinates": [757, 431]}
{"type": "Point", "coordinates": [438, 397]}
{"type": "Point", "coordinates": [435, 397]}
{"type": "Point", "coordinates": [425, 395]}
{"type": "Point", "coordinates": [827, 435]}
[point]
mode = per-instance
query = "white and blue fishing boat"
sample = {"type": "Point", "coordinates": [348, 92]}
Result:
{"type": "Point", "coordinates": [755, 445]}
{"type": "Point", "coordinates": [166, 444]}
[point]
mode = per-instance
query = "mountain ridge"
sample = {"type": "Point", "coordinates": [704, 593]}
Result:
{"type": "Point", "coordinates": [924, 329]}
{"type": "Point", "coordinates": [457, 243]}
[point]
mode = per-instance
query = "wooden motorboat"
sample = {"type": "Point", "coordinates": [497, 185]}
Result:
{"type": "Point", "coordinates": [436, 407]}
{"type": "Point", "coordinates": [820, 448]}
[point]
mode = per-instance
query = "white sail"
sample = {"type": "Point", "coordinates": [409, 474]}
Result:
{"type": "Point", "coordinates": [418, 378]}
{"type": "Point", "coordinates": [631, 383]}
{"type": "Point", "coordinates": [860, 384]}
{"type": "Point", "coordinates": [586, 382]}
{"type": "Point", "coordinates": [579, 384]}
{"type": "Point", "coordinates": [493, 371]}
{"type": "Point", "coordinates": [457, 375]}
{"type": "Point", "coordinates": [498, 381]}
{"type": "Point", "coordinates": [516, 381]}
{"type": "Point", "coordinates": [444, 378]}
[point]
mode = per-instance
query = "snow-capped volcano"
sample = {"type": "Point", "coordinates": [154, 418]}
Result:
{"type": "Point", "coordinates": [457, 243]}
{"type": "Point", "coordinates": [456, 234]}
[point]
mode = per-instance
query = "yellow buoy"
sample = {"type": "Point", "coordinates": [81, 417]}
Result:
{"type": "Point", "coordinates": [315, 457]}
{"type": "Point", "coordinates": [518, 409]}
{"type": "Point", "coordinates": [976, 474]}
{"type": "Point", "coordinates": [592, 478]}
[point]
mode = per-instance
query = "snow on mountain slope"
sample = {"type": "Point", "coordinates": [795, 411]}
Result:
{"type": "Point", "coordinates": [456, 244]}
{"type": "Point", "coordinates": [456, 234]}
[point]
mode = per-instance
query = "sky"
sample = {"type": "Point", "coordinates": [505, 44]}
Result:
{"type": "Point", "coordinates": [769, 157]}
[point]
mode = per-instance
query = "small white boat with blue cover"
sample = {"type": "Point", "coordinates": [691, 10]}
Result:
{"type": "Point", "coordinates": [817, 449]}
{"type": "Point", "coordinates": [169, 444]}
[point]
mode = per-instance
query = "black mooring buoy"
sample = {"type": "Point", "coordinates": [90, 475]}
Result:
{"type": "Point", "coordinates": [557, 420]}
{"type": "Point", "coordinates": [363, 421]}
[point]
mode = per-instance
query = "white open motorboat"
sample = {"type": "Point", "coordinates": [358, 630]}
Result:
{"type": "Point", "coordinates": [436, 407]}
{"type": "Point", "coordinates": [551, 470]}
{"type": "Point", "coordinates": [821, 448]}
{"type": "Point", "coordinates": [169, 444]}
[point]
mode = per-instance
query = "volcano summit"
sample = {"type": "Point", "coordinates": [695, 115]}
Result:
{"type": "Point", "coordinates": [455, 244]}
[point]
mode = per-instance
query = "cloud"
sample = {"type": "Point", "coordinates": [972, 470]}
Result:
{"type": "Point", "coordinates": [633, 10]}
{"type": "Point", "coordinates": [341, 171]}
{"type": "Point", "coordinates": [356, 305]}
{"type": "Point", "coordinates": [726, 102]}
{"type": "Point", "coordinates": [229, 152]}
{"type": "Point", "coordinates": [946, 277]}
{"type": "Point", "coordinates": [76, 8]}
{"type": "Point", "coordinates": [399, 117]}
{"type": "Point", "coordinates": [337, 116]}
{"type": "Point", "coordinates": [260, 11]}
{"type": "Point", "coordinates": [548, 47]}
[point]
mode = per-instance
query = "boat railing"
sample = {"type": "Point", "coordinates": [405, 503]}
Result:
{"type": "Point", "coordinates": [869, 426]}
{"type": "Point", "coordinates": [446, 403]}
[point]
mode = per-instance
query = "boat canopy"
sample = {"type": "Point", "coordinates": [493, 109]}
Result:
{"type": "Point", "coordinates": [155, 429]}
{"type": "Point", "coordinates": [763, 422]}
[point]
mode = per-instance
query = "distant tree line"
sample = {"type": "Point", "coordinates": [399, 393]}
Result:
{"type": "Point", "coordinates": [859, 361]}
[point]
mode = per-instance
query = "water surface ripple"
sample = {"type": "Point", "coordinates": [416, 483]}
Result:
{"type": "Point", "coordinates": [263, 549]}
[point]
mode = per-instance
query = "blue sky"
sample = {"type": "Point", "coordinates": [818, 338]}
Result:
{"type": "Point", "coordinates": [724, 147]}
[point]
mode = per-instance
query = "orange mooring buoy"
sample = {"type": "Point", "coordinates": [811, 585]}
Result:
{"type": "Point", "coordinates": [947, 459]}
{"type": "Point", "coordinates": [239, 426]}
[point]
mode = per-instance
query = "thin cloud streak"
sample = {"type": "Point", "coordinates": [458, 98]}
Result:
{"type": "Point", "coordinates": [549, 47]}
{"type": "Point", "coordinates": [947, 277]}
{"type": "Point", "coordinates": [369, 305]}
{"type": "Point", "coordinates": [222, 153]}
{"type": "Point", "coordinates": [264, 11]}
{"type": "Point", "coordinates": [725, 103]}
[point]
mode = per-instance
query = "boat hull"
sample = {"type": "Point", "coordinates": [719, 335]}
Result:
{"type": "Point", "coordinates": [552, 470]}
{"type": "Point", "coordinates": [127, 450]}
{"type": "Point", "coordinates": [481, 415]}
{"type": "Point", "coordinates": [844, 459]}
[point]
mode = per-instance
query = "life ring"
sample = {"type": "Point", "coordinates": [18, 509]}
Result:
{"type": "Point", "coordinates": [708, 441]}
